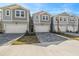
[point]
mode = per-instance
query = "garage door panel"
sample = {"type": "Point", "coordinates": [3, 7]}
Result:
{"type": "Point", "coordinates": [42, 28]}
{"type": "Point", "coordinates": [16, 28]}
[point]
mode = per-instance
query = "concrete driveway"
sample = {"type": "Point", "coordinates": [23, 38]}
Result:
{"type": "Point", "coordinates": [49, 38]}
{"type": "Point", "coordinates": [5, 38]}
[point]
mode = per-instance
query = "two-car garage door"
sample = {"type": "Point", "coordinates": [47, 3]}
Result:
{"type": "Point", "coordinates": [15, 28]}
{"type": "Point", "coordinates": [42, 28]}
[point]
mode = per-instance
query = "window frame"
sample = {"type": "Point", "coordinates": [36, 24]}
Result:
{"type": "Point", "coordinates": [37, 17]}
{"type": "Point", "coordinates": [60, 19]}
{"type": "Point", "coordinates": [6, 12]}
{"type": "Point", "coordinates": [46, 16]}
{"type": "Point", "coordinates": [20, 14]}
{"type": "Point", "coordinates": [64, 19]}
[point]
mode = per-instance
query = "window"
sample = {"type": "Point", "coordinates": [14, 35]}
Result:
{"type": "Point", "coordinates": [22, 13]}
{"type": "Point", "coordinates": [19, 13]}
{"type": "Point", "coordinates": [36, 17]}
{"type": "Point", "coordinates": [7, 12]}
{"type": "Point", "coordinates": [64, 19]}
{"type": "Point", "coordinates": [60, 19]}
{"type": "Point", "coordinates": [45, 18]}
{"type": "Point", "coordinates": [56, 19]}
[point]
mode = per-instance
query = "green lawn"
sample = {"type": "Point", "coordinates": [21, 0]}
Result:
{"type": "Point", "coordinates": [70, 36]}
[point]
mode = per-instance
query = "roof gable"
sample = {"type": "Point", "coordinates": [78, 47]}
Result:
{"type": "Point", "coordinates": [63, 14]}
{"type": "Point", "coordinates": [14, 6]}
{"type": "Point", "coordinates": [41, 12]}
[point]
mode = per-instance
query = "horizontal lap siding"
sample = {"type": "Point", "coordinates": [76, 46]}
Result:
{"type": "Point", "coordinates": [6, 17]}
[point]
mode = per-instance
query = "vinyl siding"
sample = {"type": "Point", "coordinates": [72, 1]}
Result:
{"type": "Point", "coordinates": [45, 22]}
{"type": "Point", "coordinates": [6, 17]}
{"type": "Point", "coordinates": [15, 18]}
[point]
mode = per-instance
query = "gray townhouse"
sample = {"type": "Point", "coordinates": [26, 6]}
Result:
{"type": "Point", "coordinates": [41, 21]}
{"type": "Point", "coordinates": [65, 22]}
{"type": "Point", "coordinates": [14, 19]}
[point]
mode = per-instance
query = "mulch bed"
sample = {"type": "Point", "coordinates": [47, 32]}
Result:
{"type": "Point", "coordinates": [27, 39]}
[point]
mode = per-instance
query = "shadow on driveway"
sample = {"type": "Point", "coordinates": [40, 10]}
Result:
{"type": "Point", "coordinates": [5, 38]}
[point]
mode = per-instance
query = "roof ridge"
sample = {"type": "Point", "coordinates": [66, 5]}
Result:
{"type": "Point", "coordinates": [14, 5]}
{"type": "Point", "coordinates": [39, 12]}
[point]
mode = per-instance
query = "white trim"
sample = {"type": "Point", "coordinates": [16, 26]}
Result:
{"type": "Point", "coordinates": [27, 16]}
{"type": "Point", "coordinates": [39, 18]}
{"type": "Point", "coordinates": [11, 14]}
{"type": "Point", "coordinates": [6, 12]}
{"type": "Point", "coordinates": [20, 14]}
{"type": "Point", "coordinates": [1, 15]}
{"type": "Point", "coordinates": [45, 17]}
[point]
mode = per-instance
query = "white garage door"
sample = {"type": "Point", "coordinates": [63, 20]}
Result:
{"type": "Point", "coordinates": [15, 28]}
{"type": "Point", "coordinates": [42, 28]}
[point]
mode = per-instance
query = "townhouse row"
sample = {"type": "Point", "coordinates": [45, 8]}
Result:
{"type": "Point", "coordinates": [16, 19]}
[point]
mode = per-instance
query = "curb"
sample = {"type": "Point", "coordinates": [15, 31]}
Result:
{"type": "Point", "coordinates": [9, 43]}
{"type": "Point", "coordinates": [64, 37]}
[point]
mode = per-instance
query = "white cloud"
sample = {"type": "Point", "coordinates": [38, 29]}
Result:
{"type": "Point", "coordinates": [39, 6]}
{"type": "Point", "coordinates": [66, 7]}
{"type": "Point", "coordinates": [62, 8]}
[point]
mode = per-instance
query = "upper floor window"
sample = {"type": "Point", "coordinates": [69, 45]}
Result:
{"type": "Point", "coordinates": [20, 13]}
{"type": "Point", "coordinates": [72, 20]}
{"type": "Point", "coordinates": [7, 13]}
{"type": "Point", "coordinates": [60, 19]}
{"type": "Point", "coordinates": [56, 19]}
{"type": "Point", "coordinates": [36, 17]}
{"type": "Point", "coordinates": [64, 19]}
{"type": "Point", "coordinates": [17, 13]}
{"type": "Point", "coordinates": [45, 18]}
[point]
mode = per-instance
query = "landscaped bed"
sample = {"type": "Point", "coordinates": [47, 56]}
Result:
{"type": "Point", "coordinates": [27, 39]}
{"type": "Point", "coordinates": [70, 36]}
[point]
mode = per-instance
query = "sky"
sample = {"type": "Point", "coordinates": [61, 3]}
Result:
{"type": "Point", "coordinates": [52, 8]}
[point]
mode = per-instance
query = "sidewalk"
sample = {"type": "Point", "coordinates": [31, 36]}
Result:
{"type": "Point", "coordinates": [67, 48]}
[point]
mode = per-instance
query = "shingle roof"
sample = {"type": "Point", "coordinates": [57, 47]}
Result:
{"type": "Point", "coordinates": [13, 6]}
{"type": "Point", "coordinates": [64, 14]}
{"type": "Point", "coordinates": [41, 12]}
